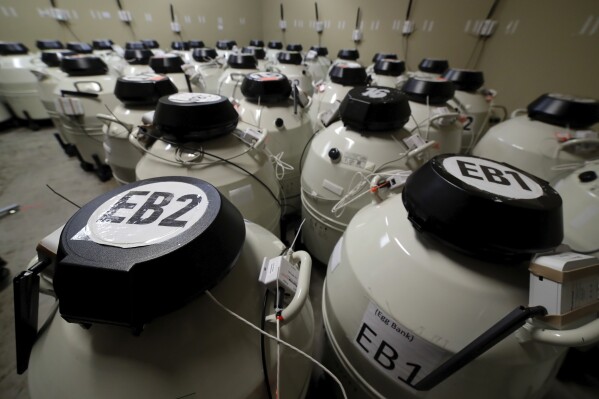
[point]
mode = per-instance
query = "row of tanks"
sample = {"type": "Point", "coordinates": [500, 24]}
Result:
{"type": "Point", "coordinates": [443, 268]}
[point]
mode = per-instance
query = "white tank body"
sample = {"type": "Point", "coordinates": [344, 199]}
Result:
{"type": "Point", "coordinates": [445, 130]}
{"type": "Point", "coordinates": [477, 110]}
{"type": "Point", "coordinates": [299, 74]}
{"type": "Point", "coordinates": [229, 82]}
{"type": "Point", "coordinates": [399, 301]}
{"type": "Point", "coordinates": [318, 63]}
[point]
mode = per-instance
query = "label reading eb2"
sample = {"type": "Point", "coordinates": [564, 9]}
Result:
{"type": "Point", "coordinates": [147, 214]}
{"type": "Point", "coordinates": [493, 177]}
{"type": "Point", "coordinates": [399, 353]}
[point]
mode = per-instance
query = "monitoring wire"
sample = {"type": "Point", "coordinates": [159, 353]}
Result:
{"type": "Point", "coordinates": [282, 342]}
{"type": "Point", "coordinates": [262, 346]}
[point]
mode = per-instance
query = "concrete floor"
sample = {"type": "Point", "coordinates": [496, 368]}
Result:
{"type": "Point", "coordinates": [29, 161]}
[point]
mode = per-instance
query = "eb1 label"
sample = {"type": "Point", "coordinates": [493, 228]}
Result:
{"type": "Point", "coordinates": [493, 177]}
{"type": "Point", "coordinates": [147, 214]}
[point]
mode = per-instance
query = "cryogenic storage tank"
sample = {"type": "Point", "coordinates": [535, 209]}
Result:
{"type": "Point", "coordinates": [154, 310]}
{"type": "Point", "coordinates": [238, 66]}
{"type": "Point", "coordinates": [198, 134]}
{"type": "Point", "coordinates": [389, 72]}
{"type": "Point", "coordinates": [431, 68]}
{"type": "Point", "coordinates": [473, 102]}
{"type": "Point", "coordinates": [378, 57]}
{"type": "Point", "coordinates": [290, 64]}
{"type": "Point", "coordinates": [270, 104]}
{"type": "Point", "coordinates": [225, 48]}
{"type": "Point", "coordinates": [368, 144]}
{"type": "Point", "coordinates": [274, 46]}
{"type": "Point", "coordinates": [426, 292]}
{"type": "Point", "coordinates": [207, 69]}
{"type": "Point", "coordinates": [318, 63]}
{"type": "Point", "coordinates": [432, 116]}
{"type": "Point", "coordinates": [138, 95]}
{"type": "Point", "coordinates": [172, 66]}
{"type": "Point", "coordinates": [260, 55]}
{"type": "Point", "coordinates": [556, 131]}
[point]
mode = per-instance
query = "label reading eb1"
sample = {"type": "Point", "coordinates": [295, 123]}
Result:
{"type": "Point", "coordinates": [189, 98]}
{"type": "Point", "coordinates": [493, 177]}
{"type": "Point", "coordinates": [396, 351]}
{"type": "Point", "coordinates": [147, 214]}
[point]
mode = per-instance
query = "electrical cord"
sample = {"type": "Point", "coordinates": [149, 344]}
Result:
{"type": "Point", "coordinates": [284, 343]}
{"type": "Point", "coordinates": [262, 346]}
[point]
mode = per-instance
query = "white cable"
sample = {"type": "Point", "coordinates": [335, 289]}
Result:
{"type": "Point", "coordinates": [284, 343]}
{"type": "Point", "coordinates": [294, 239]}
{"type": "Point", "coordinates": [278, 391]}
{"type": "Point", "coordinates": [280, 165]}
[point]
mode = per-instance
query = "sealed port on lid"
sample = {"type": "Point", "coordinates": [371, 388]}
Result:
{"type": "Point", "coordinates": [432, 65]}
{"type": "Point", "coordinates": [13, 48]}
{"type": "Point", "coordinates": [348, 74]}
{"type": "Point", "coordinates": [257, 43]}
{"type": "Point", "coordinates": [102, 44]}
{"type": "Point", "coordinates": [275, 45]}
{"type": "Point", "coordinates": [484, 208]}
{"type": "Point", "coordinates": [428, 91]}
{"type": "Point", "coordinates": [52, 58]}
{"type": "Point", "coordinates": [389, 67]}
{"type": "Point", "coordinates": [195, 116]}
{"type": "Point", "coordinates": [80, 47]}
{"type": "Point", "coordinates": [168, 63]}
{"type": "Point", "coordinates": [242, 61]}
{"type": "Point", "coordinates": [150, 43]}
{"type": "Point", "coordinates": [320, 51]}
{"type": "Point", "coordinates": [565, 110]}
{"type": "Point", "coordinates": [144, 89]}
{"type": "Point", "coordinates": [289, 57]}
{"type": "Point", "coordinates": [465, 79]}
{"type": "Point", "coordinates": [384, 56]}
{"type": "Point", "coordinates": [145, 249]}
{"type": "Point", "coordinates": [79, 65]}
{"type": "Point", "coordinates": [350, 54]}
{"type": "Point", "coordinates": [374, 108]}
{"type": "Point", "coordinates": [257, 52]}
{"type": "Point", "coordinates": [196, 44]}
{"type": "Point", "coordinates": [204, 54]}
{"type": "Point", "coordinates": [266, 87]}
{"type": "Point", "coordinates": [49, 44]}
{"type": "Point", "coordinates": [138, 57]}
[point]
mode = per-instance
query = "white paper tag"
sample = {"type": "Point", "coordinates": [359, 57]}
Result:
{"type": "Point", "coordinates": [492, 177]}
{"type": "Point", "coordinates": [355, 160]}
{"type": "Point", "coordinates": [147, 214]}
{"type": "Point", "coordinates": [189, 98]}
{"type": "Point", "coordinates": [395, 350]}
{"type": "Point", "coordinates": [69, 106]}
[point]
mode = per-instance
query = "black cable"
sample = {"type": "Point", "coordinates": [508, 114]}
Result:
{"type": "Point", "coordinates": [304, 151]}
{"type": "Point", "coordinates": [473, 51]}
{"type": "Point", "coordinates": [262, 349]}
{"type": "Point", "coordinates": [146, 132]}
{"type": "Point", "coordinates": [62, 196]}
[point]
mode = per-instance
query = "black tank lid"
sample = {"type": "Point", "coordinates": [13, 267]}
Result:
{"type": "Point", "coordinates": [349, 54]}
{"type": "Point", "coordinates": [389, 67]}
{"type": "Point", "coordinates": [348, 74]}
{"type": "Point", "coordinates": [80, 47]}
{"type": "Point", "coordinates": [179, 45]}
{"type": "Point", "coordinates": [138, 57]}
{"type": "Point", "coordinates": [52, 58]}
{"type": "Point", "coordinates": [204, 54]}
{"type": "Point", "coordinates": [242, 61]}
{"type": "Point", "coordinates": [374, 108]}
{"type": "Point", "coordinates": [275, 45]}
{"type": "Point", "coordinates": [384, 56]}
{"type": "Point", "coordinates": [226, 44]}
{"type": "Point", "coordinates": [49, 44]}
{"type": "Point", "coordinates": [13, 48]}
{"type": "Point", "coordinates": [150, 43]}
{"type": "Point", "coordinates": [197, 237]}
{"type": "Point", "coordinates": [564, 110]}
{"type": "Point", "coordinates": [321, 51]}
{"type": "Point", "coordinates": [257, 52]}
{"type": "Point", "coordinates": [134, 46]}
{"type": "Point", "coordinates": [289, 57]}
{"type": "Point", "coordinates": [465, 79]}
{"type": "Point", "coordinates": [431, 91]}
{"type": "Point", "coordinates": [294, 47]}
{"type": "Point", "coordinates": [257, 43]}
{"type": "Point", "coordinates": [144, 89]}
{"type": "Point", "coordinates": [195, 116]}
{"type": "Point", "coordinates": [431, 65]}
{"type": "Point", "coordinates": [83, 65]}
{"type": "Point", "coordinates": [102, 44]}
{"type": "Point", "coordinates": [266, 87]}
{"type": "Point", "coordinates": [484, 208]}
{"type": "Point", "coordinates": [166, 64]}
{"type": "Point", "coordinates": [196, 44]}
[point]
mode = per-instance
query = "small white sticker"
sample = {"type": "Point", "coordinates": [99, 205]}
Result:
{"type": "Point", "coordinates": [147, 214]}
{"type": "Point", "coordinates": [395, 350]}
{"type": "Point", "coordinates": [335, 258]}
{"type": "Point", "coordinates": [144, 77]}
{"type": "Point", "coordinates": [189, 98]}
{"type": "Point", "coordinates": [375, 92]}
{"type": "Point", "coordinates": [265, 76]}
{"type": "Point", "coordinates": [355, 160]}
{"type": "Point", "coordinates": [492, 177]}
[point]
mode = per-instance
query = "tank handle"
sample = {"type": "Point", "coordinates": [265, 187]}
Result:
{"type": "Point", "coordinates": [303, 288]}
{"type": "Point", "coordinates": [585, 335]}
{"type": "Point", "coordinates": [562, 146]}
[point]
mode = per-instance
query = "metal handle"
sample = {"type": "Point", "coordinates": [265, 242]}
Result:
{"type": "Point", "coordinates": [303, 288]}
{"type": "Point", "coordinates": [587, 334]}
{"type": "Point", "coordinates": [564, 145]}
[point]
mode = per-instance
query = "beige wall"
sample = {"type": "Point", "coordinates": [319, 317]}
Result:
{"type": "Point", "coordinates": [539, 46]}
{"type": "Point", "coordinates": [241, 20]}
